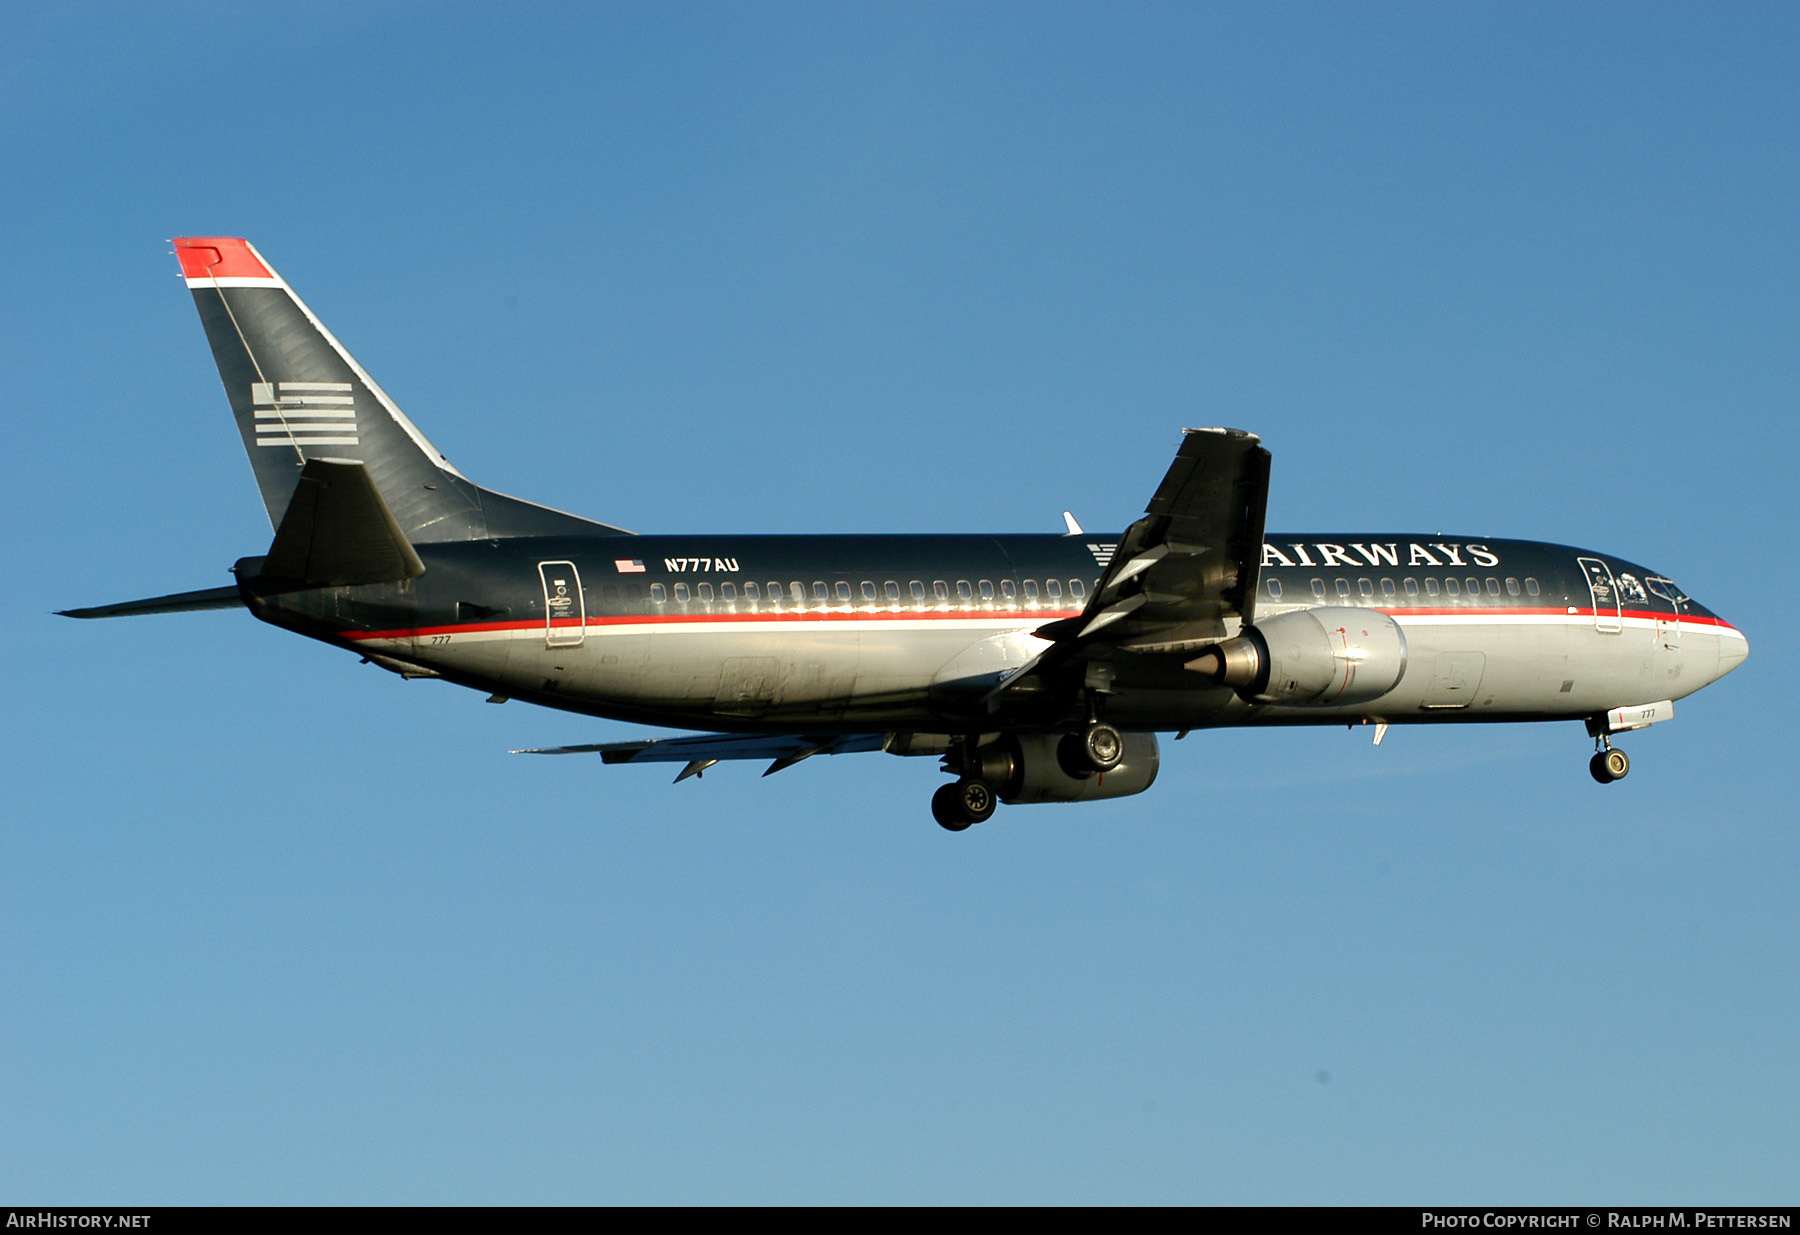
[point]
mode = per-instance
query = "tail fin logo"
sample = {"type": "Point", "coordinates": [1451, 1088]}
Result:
{"type": "Point", "coordinates": [304, 413]}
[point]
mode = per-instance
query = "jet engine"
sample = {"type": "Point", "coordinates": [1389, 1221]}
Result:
{"type": "Point", "coordinates": [1310, 658]}
{"type": "Point", "coordinates": [1023, 767]}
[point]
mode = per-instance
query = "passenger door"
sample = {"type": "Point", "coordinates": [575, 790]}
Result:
{"type": "Point", "coordinates": [1608, 616]}
{"type": "Point", "coordinates": [565, 613]}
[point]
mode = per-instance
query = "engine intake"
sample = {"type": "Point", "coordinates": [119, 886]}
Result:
{"type": "Point", "coordinates": [1311, 658]}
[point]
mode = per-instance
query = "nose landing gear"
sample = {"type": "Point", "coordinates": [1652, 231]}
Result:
{"type": "Point", "coordinates": [1609, 763]}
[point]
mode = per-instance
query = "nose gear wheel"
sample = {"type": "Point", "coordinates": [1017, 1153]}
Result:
{"type": "Point", "coordinates": [1609, 763]}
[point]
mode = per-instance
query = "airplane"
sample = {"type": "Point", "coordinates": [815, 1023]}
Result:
{"type": "Point", "coordinates": [1034, 667]}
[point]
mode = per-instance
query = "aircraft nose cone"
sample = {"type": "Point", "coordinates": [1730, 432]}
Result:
{"type": "Point", "coordinates": [1733, 648]}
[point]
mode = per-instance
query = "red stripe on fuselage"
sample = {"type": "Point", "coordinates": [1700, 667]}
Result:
{"type": "Point", "coordinates": [1645, 615]}
{"type": "Point", "coordinates": [709, 619]}
{"type": "Point", "coordinates": [695, 619]}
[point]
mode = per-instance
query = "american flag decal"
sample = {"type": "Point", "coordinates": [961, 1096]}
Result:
{"type": "Point", "coordinates": [304, 413]}
{"type": "Point", "coordinates": [629, 565]}
{"type": "Point", "coordinates": [1103, 554]}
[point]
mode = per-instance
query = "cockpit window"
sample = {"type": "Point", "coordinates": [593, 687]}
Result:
{"type": "Point", "coordinates": [1666, 589]}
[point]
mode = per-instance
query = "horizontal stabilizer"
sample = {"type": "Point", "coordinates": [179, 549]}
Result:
{"type": "Point", "coordinates": [338, 531]}
{"type": "Point", "coordinates": [180, 602]}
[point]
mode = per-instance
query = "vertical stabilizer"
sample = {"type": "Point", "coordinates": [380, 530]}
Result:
{"type": "Point", "coordinates": [298, 395]}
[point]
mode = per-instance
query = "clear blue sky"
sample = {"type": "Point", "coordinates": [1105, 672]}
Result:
{"type": "Point", "coordinates": [281, 927]}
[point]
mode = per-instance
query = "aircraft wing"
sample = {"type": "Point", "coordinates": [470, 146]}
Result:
{"type": "Point", "coordinates": [703, 750]}
{"type": "Point", "coordinates": [1185, 574]}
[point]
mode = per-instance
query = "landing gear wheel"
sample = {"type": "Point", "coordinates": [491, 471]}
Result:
{"type": "Point", "coordinates": [955, 806]}
{"type": "Point", "coordinates": [947, 810]}
{"type": "Point", "coordinates": [1609, 765]}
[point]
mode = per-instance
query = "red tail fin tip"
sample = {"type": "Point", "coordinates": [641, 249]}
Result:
{"type": "Point", "coordinates": [219, 257]}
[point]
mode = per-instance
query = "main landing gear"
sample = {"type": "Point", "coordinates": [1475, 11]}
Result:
{"type": "Point", "coordinates": [969, 799]}
{"type": "Point", "coordinates": [1609, 763]}
{"type": "Point", "coordinates": [982, 772]}
{"type": "Point", "coordinates": [961, 803]}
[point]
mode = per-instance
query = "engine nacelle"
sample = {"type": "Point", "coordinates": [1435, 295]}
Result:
{"type": "Point", "coordinates": [1023, 767]}
{"type": "Point", "coordinates": [1311, 658]}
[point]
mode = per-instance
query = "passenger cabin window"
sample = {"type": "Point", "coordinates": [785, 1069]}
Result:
{"type": "Point", "coordinates": [1318, 589]}
{"type": "Point", "coordinates": [1076, 589]}
{"type": "Point", "coordinates": [940, 589]}
{"type": "Point", "coordinates": [1531, 587]}
{"type": "Point", "coordinates": [1054, 589]}
{"type": "Point", "coordinates": [1493, 586]}
{"type": "Point", "coordinates": [751, 592]}
{"type": "Point", "coordinates": [1412, 587]}
{"type": "Point", "coordinates": [843, 589]}
{"type": "Point", "coordinates": [681, 592]}
{"type": "Point", "coordinates": [1451, 588]}
{"type": "Point", "coordinates": [987, 589]}
{"type": "Point", "coordinates": [1007, 590]}
{"type": "Point", "coordinates": [820, 591]}
{"type": "Point", "coordinates": [729, 590]}
{"type": "Point", "coordinates": [868, 590]}
{"type": "Point", "coordinates": [1387, 588]}
{"type": "Point", "coordinates": [1512, 587]}
{"type": "Point", "coordinates": [797, 591]}
{"type": "Point", "coordinates": [1031, 590]}
{"type": "Point", "coordinates": [1474, 586]}
{"type": "Point", "coordinates": [1431, 587]}
{"type": "Point", "coordinates": [918, 592]}
{"type": "Point", "coordinates": [1343, 589]}
{"type": "Point", "coordinates": [706, 592]}
{"type": "Point", "coordinates": [892, 589]}
{"type": "Point", "coordinates": [657, 593]}
{"type": "Point", "coordinates": [1274, 588]}
{"type": "Point", "coordinates": [1366, 588]}
{"type": "Point", "coordinates": [963, 591]}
